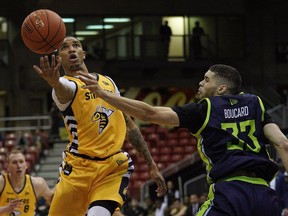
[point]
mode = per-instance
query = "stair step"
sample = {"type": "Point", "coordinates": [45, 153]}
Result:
{"type": "Point", "coordinates": [52, 160]}
{"type": "Point", "coordinates": [49, 175]}
{"type": "Point", "coordinates": [49, 167]}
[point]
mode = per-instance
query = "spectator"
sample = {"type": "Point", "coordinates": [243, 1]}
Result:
{"type": "Point", "coordinates": [165, 36]}
{"type": "Point", "coordinates": [150, 207]}
{"type": "Point", "coordinates": [197, 34]}
{"type": "Point", "coordinates": [193, 206]}
{"type": "Point", "coordinates": [134, 209]}
{"type": "Point", "coordinates": [178, 208]}
{"type": "Point", "coordinates": [172, 193]}
{"type": "Point", "coordinates": [160, 207]}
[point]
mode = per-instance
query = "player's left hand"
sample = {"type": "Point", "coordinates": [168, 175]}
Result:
{"type": "Point", "coordinates": [159, 180]}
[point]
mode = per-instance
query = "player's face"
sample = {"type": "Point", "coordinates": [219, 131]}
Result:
{"type": "Point", "coordinates": [17, 164]}
{"type": "Point", "coordinates": [72, 54]}
{"type": "Point", "coordinates": [208, 86]}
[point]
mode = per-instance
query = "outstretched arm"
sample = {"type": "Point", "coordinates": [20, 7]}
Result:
{"type": "Point", "coordinates": [141, 110]}
{"type": "Point", "coordinates": [50, 72]}
{"type": "Point", "coordinates": [278, 140]}
{"type": "Point", "coordinates": [136, 139]}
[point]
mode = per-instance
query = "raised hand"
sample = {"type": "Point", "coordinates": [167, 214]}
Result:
{"type": "Point", "coordinates": [49, 71]}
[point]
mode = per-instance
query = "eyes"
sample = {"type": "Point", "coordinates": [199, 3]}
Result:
{"type": "Point", "coordinates": [66, 46]}
{"type": "Point", "coordinates": [15, 162]}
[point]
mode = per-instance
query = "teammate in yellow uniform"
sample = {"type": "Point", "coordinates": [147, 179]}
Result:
{"type": "Point", "coordinates": [95, 171]}
{"type": "Point", "coordinates": [19, 191]}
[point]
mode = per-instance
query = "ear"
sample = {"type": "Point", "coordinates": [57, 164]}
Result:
{"type": "Point", "coordinates": [222, 89]}
{"type": "Point", "coordinates": [84, 56]}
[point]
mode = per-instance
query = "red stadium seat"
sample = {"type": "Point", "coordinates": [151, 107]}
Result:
{"type": "Point", "coordinates": [190, 148]}
{"type": "Point", "coordinates": [185, 141]}
{"type": "Point", "coordinates": [165, 150]}
{"type": "Point", "coordinates": [172, 142]}
{"type": "Point", "coordinates": [30, 159]}
{"type": "Point", "coordinates": [35, 151]}
{"type": "Point", "coordinates": [178, 150]}
{"type": "Point", "coordinates": [177, 157]}
{"type": "Point", "coordinates": [165, 158]}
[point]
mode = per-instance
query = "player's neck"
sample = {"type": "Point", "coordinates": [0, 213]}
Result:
{"type": "Point", "coordinates": [17, 182]}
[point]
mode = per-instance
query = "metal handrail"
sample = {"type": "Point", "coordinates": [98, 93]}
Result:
{"type": "Point", "coordinates": [43, 122]}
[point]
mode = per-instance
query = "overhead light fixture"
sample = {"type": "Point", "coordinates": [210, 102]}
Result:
{"type": "Point", "coordinates": [68, 20]}
{"type": "Point", "coordinates": [99, 27]}
{"type": "Point", "coordinates": [81, 38]}
{"type": "Point", "coordinates": [86, 32]}
{"type": "Point", "coordinates": [116, 20]}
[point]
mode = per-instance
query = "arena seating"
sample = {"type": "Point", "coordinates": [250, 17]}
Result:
{"type": "Point", "coordinates": [167, 146]}
{"type": "Point", "coordinates": [28, 143]}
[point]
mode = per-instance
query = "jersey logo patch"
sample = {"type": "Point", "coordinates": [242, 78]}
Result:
{"type": "Point", "coordinates": [233, 101]}
{"type": "Point", "coordinates": [119, 162]}
{"type": "Point", "coordinates": [101, 115]}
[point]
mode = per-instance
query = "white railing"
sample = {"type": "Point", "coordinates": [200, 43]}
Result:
{"type": "Point", "coordinates": [24, 123]}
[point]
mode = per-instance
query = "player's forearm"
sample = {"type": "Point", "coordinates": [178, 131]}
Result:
{"type": "Point", "coordinates": [63, 92]}
{"type": "Point", "coordinates": [278, 140]}
{"type": "Point", "coordinates": [135, 108]}
{"type": "Point", "coordinates": [136, 139]}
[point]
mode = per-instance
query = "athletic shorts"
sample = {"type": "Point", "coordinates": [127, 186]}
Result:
{"type": "Point", "coordinates": [246, 197]}
{"type": "Point", "coordinates": [83, 181]}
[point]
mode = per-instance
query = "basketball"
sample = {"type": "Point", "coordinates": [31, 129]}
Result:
{"type": "Point", "coordinates": [43, 31]}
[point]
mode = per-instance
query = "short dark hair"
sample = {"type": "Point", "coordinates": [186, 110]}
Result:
{"type": "Point", "coordinates": [230, 75]}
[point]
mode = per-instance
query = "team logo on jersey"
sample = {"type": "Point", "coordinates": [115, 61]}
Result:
{"type": "Point", "coordinates": [119, 162]}
{"type": "Point", "coordinates": [102, 116]}
{"type": "Point", "coordinates": [233, 101]}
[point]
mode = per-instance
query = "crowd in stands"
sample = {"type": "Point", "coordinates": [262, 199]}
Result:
{"type": "Point", "coordinates": [171, 205]}
{"type": "Point", "coordinates": [34, 145]}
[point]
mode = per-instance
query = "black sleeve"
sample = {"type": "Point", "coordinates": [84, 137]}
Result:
{"type": "Point", "coordinates": [192, 115]}
{"type": "Point", "coordinates": [267, 119]}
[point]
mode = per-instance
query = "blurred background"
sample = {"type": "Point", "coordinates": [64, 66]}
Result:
{"type": "Point", "coordinates": [156, 51]}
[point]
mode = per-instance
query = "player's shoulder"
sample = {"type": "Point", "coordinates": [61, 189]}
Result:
{"type": "Point", "coordinates": [37, 180]}
{"type": "Point", "coordinates": [2, 182]}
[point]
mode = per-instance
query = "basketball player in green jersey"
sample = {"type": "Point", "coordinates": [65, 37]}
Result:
{"type": "Point", "coordinates": [95, 172]}
{"type": "Point", "coordinates": [19, 191]}
{"type": "Point", "coordinates": [232, 129]}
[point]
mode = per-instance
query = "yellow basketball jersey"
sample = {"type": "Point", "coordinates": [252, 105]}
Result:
{"type": "Point", "coordinates": [26, 195]}
{"type": "Point", "coordinates": [95, 128]}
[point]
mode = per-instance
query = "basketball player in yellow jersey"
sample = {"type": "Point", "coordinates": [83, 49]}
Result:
{"type": "Point", "coordinates": [19, 191]}
{"type": "Point", "coordinates": [95, 171]}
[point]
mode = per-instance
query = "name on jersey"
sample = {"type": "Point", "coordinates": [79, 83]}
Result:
{"type": "Point", "coordinates": [236, 112]}
{"type": "Point", "coordinates": [91, 95]}
{"type": "Point", "coordinates": [24, 201]}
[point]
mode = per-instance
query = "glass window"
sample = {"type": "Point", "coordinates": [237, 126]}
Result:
{"type": "Point", "coordinates": [3, 28]}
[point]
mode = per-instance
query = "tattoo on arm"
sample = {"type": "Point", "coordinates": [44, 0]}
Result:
{"type": "Point", "coordinates": [137, 141]}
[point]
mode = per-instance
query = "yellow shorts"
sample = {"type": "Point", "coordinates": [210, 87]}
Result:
{"type": "Point", "coordinates": [83, 181]}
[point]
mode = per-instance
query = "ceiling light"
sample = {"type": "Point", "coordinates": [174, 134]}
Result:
{"type": "Point", "coordinates": [68, 20]}
{"type": "Point", "coordinates": [99, 27]}
{"type": "Point", "coordinates": [86, 32]}
{"type": "Point", "coordinates": [116, 20]}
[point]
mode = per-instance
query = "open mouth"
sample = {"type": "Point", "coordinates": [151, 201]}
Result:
{"type": "Point", "coordinates": [73, 57]}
